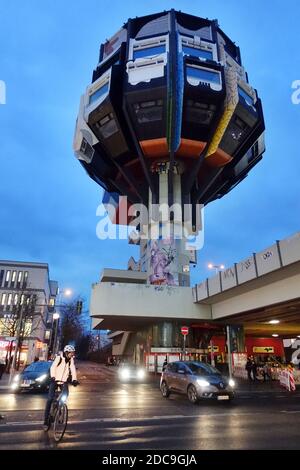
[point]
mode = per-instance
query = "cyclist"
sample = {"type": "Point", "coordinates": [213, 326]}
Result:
{"type": "Point", "coordinates": [62, 371]}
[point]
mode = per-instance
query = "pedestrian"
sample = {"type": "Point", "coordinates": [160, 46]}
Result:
{"type": "Point", "coordinates": [254, 370]}
{"type": "Point", "coordinates": [2, 367]}
{"type": "Point", "coordinates": [249, 368]}
{"type": "Point", "coordinates": [266, 372]}
{"type": "Point", "coordinates": [165, 363]}
{"type": "Point", "coordinates": [36, 359]}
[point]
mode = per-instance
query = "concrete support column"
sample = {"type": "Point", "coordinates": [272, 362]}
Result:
{"type": "Point", "coordinates": [235, 342]}
{"type": "Point", "coordinates": [168, 258]}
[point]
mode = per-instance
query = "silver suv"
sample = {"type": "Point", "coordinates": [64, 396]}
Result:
{"type": "Point", "coordinates": [197, 380]}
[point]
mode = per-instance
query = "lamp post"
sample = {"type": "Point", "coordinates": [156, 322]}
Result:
{"type": "Point", "coordinates": [56, 318]}
{"type": "Point", "coordinates": [217, 267]}
{"type": "Point", "coordinates": [56, 315]}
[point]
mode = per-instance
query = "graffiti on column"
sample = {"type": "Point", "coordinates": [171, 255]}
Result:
{"type": "Point", "coordinates": [163, 266]}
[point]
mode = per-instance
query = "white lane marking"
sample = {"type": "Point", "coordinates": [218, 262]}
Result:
{"type": "Point", "coordinates": [290, 411]}
{"type": "Point", "coordinates": [128, 420]}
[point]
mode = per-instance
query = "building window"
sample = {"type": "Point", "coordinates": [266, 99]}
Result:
{"type": "Point", "coordinates": [203, 75]}
{"type": "Point", "coordinates": [249, 100]}
{"type": "Point", "coordinates": [47, 334]}
{"type": "Point", "coordinates": [16, 298]}
{"type": "Point", "coordinates": [148, 48]}
{"type": "Point", "coordinates": [7, 278]}
{"type": "Point", "coordinates": [13, 278]}
{"type": "Point", "coordinates": [238, 129]}
{"type": "Point", "coordinates": [152, 51]}
{"type": "Point", "coordinates": [3, 300]}
{"type": "Point", "coordinates": [22, 299]}
{"type": "Point", "coordinates": [103, 90]}
{"type": "Point", "coordinates": [25, 279]}
{"type": "Point", "coordinates": [19, 278]}
{"type": "Point", "coordinates": [107, 126]}
{"type": "Point", "coordinates": [200, 113]}
{"type": "Point", "coordinates": [9, 299]}
{"type": "Point", "coordinates": [1, 276]}
{"type": "Point", "coordinates": [148, 111]}
{"type": "Point", "coordinates": [87, 149]}
{"type": "Point", "coordinates": [27, 327]}
{"type": "Point", "coordinates": [197, 52]}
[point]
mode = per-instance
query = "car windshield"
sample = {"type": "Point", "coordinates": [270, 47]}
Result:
{"type": "Point", "coordinates": [38, 367]}
{"type": "Point", "coordinates": [201, 369]}
{"type": "Point", "coordinates": [128, 365]}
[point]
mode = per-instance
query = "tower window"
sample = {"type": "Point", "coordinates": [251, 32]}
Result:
{"type": "Point", "coordinates": [99, 93]}
{"type": "Point", "coordinates": [203, 75]}
{"type": "Point", "coordinates": [249, 100]}
{"type": "Point", "coordinates": [107, 126]}
{"type": "Point", "coordinates": [197, 52]}
{"type": "Point", "coordinates": [87, 149]}
{"type": "Point", "coordinates": [200, 113]}
{"type": "Point", "coordinates": [149, 51]}
{"type": "Point", "coordinates": [148, 111]}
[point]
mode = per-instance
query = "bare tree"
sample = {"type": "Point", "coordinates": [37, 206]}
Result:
{"type": "Point", "coordinates": [23, 320]}
{"type": "Point", "coordinates": [72, 323]}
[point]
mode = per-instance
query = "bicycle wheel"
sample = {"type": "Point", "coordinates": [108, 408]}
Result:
{"type": "Point", "coordinates": [60, 422]}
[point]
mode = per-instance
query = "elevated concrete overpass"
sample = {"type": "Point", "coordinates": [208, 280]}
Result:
{"type": "Point", "coordinates": [263, 287]}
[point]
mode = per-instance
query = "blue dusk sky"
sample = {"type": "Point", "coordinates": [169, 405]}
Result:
{"type": "Point", "coordinates": [48, 50]}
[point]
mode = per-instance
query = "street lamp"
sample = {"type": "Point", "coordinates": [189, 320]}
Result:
{"type": "Point", "coordinates": [67, 293]}
{"type": "Point", "coordinates": [56, 318]}
{"type": "Point", "coordinates": [217, 267]}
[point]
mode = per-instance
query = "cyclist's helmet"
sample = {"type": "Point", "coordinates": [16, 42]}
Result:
{"type": "Point", "coordinates": [69, 348]}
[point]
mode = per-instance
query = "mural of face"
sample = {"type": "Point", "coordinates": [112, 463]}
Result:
{"type": "Point", "coordinates": [160, 261]}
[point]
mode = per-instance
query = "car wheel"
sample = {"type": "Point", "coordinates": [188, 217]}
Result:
{"type": "Point", "coordinates": [165, 389]}
{"type": "Point", "coordinates": [192, 394]}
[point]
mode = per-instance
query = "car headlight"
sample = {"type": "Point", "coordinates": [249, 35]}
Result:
{"type": "Point", "coordinates": [14, 386]}
{"type": "Point", "coordinates": [41, 378]}
{"type": "Point", "coordinates": [231, 383]}
{"type": "Point", "coordinates": [203, 383]}
{"type": "Point", "coordinates": [16, 378]}
{"type": "Point", "coordinates": [125, 374]}
{"type": "Point", "coordinates": [141, 374]}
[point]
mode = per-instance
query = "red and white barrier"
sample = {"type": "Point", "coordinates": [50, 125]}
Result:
{"type": "Point", "coordinates": [292, 381]}
{"type": "Point", "coordinates": [287, 380]}
{"type": "Point", "coordinates": [240, 371]}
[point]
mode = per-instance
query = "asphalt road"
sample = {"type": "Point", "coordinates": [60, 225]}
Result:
{"type": "Point", "coordinates": [104, 414]}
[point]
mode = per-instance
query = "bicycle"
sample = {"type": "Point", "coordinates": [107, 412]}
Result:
{"type": "Point", "coordinates": [58, 415]}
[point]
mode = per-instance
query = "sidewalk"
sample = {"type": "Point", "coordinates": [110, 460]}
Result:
{"type": "Point", "coordinates": [258, 386]}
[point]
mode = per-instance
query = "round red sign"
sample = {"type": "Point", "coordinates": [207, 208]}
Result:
{"type": "Point", "coordinates": [185, 330]}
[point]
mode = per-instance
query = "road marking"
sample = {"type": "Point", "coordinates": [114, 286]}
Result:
{"type": "Point", "coordinates": [128, 420]}
{"type": "Point", "coordinates": [290, 411]}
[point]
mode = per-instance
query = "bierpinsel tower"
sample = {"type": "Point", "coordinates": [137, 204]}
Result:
{"type": "Point", "coordinates": [169, 117]}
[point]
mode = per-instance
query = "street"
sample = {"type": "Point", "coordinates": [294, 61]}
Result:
{"type": "Point", "coordinates": [104, 414]}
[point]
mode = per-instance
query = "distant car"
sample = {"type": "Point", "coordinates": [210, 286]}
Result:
{"type": "Point", "coordinates": [36, 376]}
{"type": "Point", "coordinates": [131, 372]}
{"type": "Point", "coordinates": [197, 380]}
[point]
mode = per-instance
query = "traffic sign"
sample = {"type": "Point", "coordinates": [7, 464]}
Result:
{"type": "Point", "coordinates": [184, 330]}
